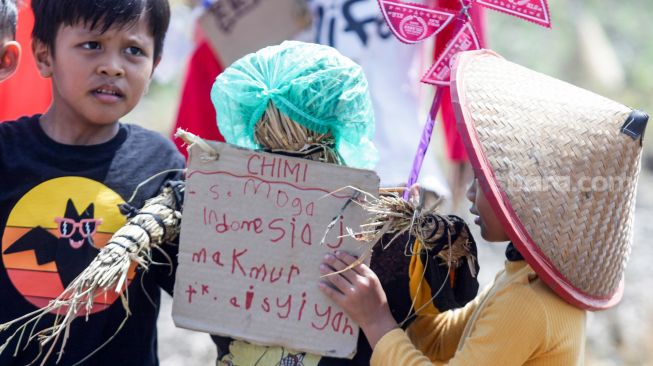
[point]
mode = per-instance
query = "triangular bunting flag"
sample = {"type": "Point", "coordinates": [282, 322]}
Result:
{"type": "Point", "coordinates": [536, 11]}
{"type": "Point", "coordinates": [413, 23]}
{"type": "Point", "coordinates": [464, 40]}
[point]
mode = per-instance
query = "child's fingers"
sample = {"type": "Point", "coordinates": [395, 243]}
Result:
{"type": "Point", "coordinates": [340, 283]}
{"type": "Point", "coordinates": [344, 267]}
{"type": "Point", "coordinates": [365, 271]}
{"type": "Point", "coordinates": [348, 260]}
{"type": "Point", "coordinates": [359, 273]}
{"type": "Point", "coordinates": [330, 291]}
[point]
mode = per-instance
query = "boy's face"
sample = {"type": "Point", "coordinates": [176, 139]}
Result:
{"type": "Point", "coordinates": [491, 228]}
{"type": "Point", "coordinates": [97, 77]}
{"type": "Point", "coordinates": [9, 57]}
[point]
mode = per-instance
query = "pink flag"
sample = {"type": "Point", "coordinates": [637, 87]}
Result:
{"type": "Point", "coordinates": [536, 11]}
{"type": "Point", "coordinates": [464, 40]}
{"type": "Point", "coordinates": [413, 23]}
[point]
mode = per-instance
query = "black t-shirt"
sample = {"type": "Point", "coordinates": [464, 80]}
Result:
{"type": "Point", "coordinates": [58, 205]}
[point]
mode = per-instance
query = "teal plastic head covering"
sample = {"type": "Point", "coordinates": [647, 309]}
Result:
{"type": "Point", "coordinates": [314, 85]}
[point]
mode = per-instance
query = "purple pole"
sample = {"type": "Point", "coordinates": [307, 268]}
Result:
{"type": "Point", "coordinates": [424, 141]}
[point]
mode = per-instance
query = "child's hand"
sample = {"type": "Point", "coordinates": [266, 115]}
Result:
{"type": "Point", "coordinates": [359, 292]}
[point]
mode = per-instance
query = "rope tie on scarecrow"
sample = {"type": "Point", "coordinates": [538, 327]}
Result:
{"type": "Point", "coordinates": [209, 153]}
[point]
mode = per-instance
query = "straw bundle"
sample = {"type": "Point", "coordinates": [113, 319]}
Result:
{"type": "Point", "coordinates": [391, 214]}
{"type": "Point", "coordinates": [278, 133]}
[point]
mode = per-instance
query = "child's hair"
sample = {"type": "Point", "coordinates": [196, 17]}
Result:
{"type": "Point", "coordinates": [8, 19]}
{"type": "Point", "coordinates": [49, 15]}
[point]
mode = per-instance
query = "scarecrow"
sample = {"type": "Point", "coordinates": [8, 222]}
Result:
{"type": "Point", "coordinates": [309, 101]}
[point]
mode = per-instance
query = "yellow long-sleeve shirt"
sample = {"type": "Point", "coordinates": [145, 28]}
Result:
{"type": "Point", "coordinates": [517, 320]}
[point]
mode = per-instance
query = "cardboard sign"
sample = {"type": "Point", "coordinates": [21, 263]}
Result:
{"type": "Point", "coordinates": [236, 28]}
{"type": "Point", "coordinates": [536, 11]}
{"type": "Point", "coordinates": [250, 248]}
{"type": "Point", "coordinates": [464, 40]}
{"type": "Point", "coordinates": [412, 23]}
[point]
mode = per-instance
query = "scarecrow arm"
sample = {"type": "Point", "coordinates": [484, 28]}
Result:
{"type": "Point", "coordinates": [165, 256]}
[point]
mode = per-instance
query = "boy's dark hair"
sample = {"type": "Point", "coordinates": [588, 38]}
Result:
{"type": "Point", "coordinates": [49, 15]}
{"type": "Point", "coordinates": [8, 18]}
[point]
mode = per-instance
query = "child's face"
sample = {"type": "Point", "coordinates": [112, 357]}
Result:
{"type": "Point", "coordinates": [97, 78]}
{"type": "Point", "coordinates": [491, 228]}
{"type": "Point", "coordinates": [9, 57]}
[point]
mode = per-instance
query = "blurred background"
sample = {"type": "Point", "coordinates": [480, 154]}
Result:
{"type": "Point", "coordinates": [602, 45]}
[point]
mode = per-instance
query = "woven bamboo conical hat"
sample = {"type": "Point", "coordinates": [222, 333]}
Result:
{"type": "Point", "coordinates": [559, 165]}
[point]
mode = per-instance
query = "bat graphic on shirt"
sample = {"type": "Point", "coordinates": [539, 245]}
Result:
{"type": "Point", "coordinates": [72, 251]}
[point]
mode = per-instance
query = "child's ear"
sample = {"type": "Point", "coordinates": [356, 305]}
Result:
{"type": "Point", "coordinates": [147, 86]}
{"type": "Point", "coordinates": [156, 63]}
{"type": "Point", "coordinates": [9, 58]}
{"type": "Point", "coordinates": [43, 58]}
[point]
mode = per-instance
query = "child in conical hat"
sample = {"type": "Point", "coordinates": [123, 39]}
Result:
{"type": "Point", "coordinates": [307, 100]}
{"type": "Point", "coordinates": [556, 172]}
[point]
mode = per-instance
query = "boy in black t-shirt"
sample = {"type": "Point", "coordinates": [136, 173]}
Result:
{"type": "Point", "coordinates": [65, 172]}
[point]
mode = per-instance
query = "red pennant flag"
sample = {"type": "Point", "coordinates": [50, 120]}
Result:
{"type": "Point", "coordinates": [413, 23]}
{"type": "Point", "coordinates": [464, 40]}
{"type": "Point", "coordinates": [536, 11]}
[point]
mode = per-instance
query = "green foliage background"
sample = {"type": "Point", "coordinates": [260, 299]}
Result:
{"type": "Point", "coordinates": [556, 51]}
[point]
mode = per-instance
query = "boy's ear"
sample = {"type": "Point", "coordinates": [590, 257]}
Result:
{"type": "Point", "coordinates": [156, 63]}
{"type": "Point", "coordinates": [9, 59]}
{"type": "Point", "coordinates": [43, 58]}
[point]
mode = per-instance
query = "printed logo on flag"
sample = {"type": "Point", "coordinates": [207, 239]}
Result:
{"type": "Point", "coordinates": [464, 40]}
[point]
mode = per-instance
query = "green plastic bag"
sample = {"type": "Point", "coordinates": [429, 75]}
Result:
{"type": "Point", "coordinates": [312, 84]}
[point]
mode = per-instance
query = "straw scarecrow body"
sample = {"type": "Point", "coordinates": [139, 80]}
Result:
{"type": "Point", "coordinates": [309, 101]}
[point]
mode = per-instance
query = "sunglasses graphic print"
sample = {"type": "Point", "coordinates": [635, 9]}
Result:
{"type": "Point", "coordinates": [54, 232]}
{"type": "Point", "coordinates": [69, 228]}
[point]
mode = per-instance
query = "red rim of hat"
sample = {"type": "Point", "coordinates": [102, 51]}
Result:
{"type": "Point", "coordinates": [501, 205]}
